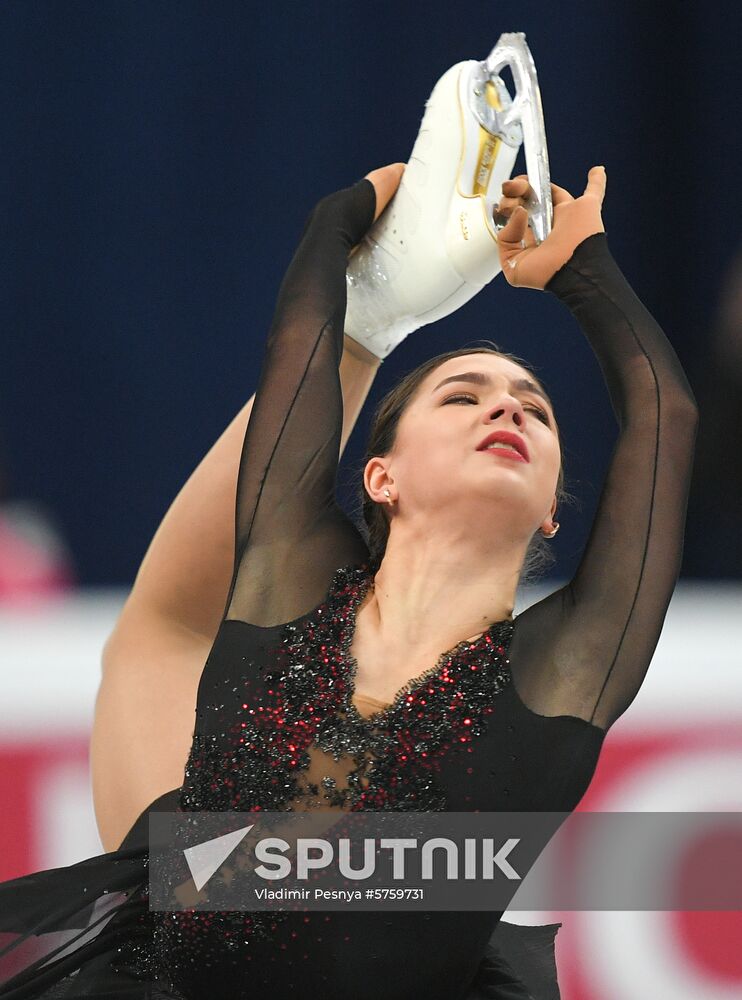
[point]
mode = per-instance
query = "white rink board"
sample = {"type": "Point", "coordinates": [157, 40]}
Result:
{"type": "Point", "coordinates": [50, 660]}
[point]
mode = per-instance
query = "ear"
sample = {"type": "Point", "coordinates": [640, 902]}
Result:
{"type": "Point", "coordinates": [376, 479]}
{"type": "Point", "coordinates": [546, 524]}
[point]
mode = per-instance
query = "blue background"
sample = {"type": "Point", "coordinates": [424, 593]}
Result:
{"type": "Point", "coordinates": [160, 158]}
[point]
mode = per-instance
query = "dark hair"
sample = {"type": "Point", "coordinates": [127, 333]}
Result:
{"type": "Point", "coordinates": [384, 424]}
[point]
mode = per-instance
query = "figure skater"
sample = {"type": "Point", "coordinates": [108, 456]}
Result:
{"type": "Point", "coordinates": [402, 638]}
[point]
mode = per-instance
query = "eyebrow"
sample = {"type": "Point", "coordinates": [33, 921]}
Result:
{"type": "Point", "coordinates": [524, 384]}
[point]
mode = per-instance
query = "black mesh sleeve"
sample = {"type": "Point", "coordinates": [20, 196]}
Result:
{"type": "Point", "coordinates": [291, 535]}
{"type": "Point", "coordinates": [585, 649]}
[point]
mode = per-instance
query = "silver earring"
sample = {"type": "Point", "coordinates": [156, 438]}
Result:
{"type": "Point", "coordinates": [551, 534]}
{"type": "Point", "coordinates": [388, 495]}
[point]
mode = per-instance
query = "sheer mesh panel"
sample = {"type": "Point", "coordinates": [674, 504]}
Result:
{"type": "Point", "coordinates": [585, 649]}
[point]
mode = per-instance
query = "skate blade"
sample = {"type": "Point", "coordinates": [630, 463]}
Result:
{"type": "Point", "coordinates": [514, 121]}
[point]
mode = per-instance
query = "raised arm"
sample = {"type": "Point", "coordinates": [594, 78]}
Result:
{"type": "Point", "coordinates": [585, 649]}
{"type": "Point", "coordinates": [291, 535]}
{"type": "Point", "coordinates": [153, 660]}
{"type": "Point", "coordinates": [184, 577]}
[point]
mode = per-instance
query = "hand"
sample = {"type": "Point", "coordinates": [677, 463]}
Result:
{"type": "Point", "coordinates": [386, 181]}
{"type": "Point", "coordinates": [574, 220]}
{"type": "Point", "coordinates": [353, 208]}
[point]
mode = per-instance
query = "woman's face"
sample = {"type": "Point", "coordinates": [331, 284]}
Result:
{"type": "Point", "coordinates": [438, 456]}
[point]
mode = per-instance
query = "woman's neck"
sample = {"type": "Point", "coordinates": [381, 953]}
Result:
{"type": "Point", "coordinates": [425, 590]}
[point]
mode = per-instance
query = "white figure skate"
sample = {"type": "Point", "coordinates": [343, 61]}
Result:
{"type": "Point", "coordinates": [434, 246]}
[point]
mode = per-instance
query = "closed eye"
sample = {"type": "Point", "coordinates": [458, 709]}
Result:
{"type": "Point", "coordinates": [466, 396]}
{"type": "Point", "coordinates": [542, 415]}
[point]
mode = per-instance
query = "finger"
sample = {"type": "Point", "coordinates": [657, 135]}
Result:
{"type": "Point", "coordinates": [506, 206]}
{"type": "Point", "coordinates": [560, 195]}
{"type": "Point", "coordinates": [513, 233]}
{"type": "Point", "coordinates": [596, 182]}
{"type": "Point", "coordinates": [516, 187]}
{"type": "Point", "coordinates": [501, 215]}
{"type": "Point", "coordinates": [530, 238]}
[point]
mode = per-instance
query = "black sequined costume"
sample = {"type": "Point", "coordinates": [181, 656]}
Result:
{"type": "Point", "coordinates": [514, 720]}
